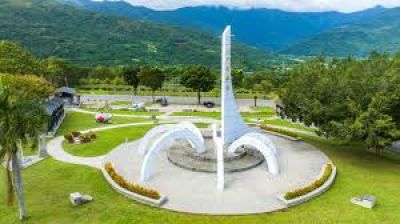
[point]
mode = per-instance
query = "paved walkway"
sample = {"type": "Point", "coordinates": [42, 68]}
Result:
{"type": "Point", "coordinates": [55, 148]}
{"type": "Point", "coordinates": [249, 192]}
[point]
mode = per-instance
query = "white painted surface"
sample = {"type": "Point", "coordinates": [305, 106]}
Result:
{"type": "Point", "coordinates": [258, 142]}
{"type": "Point", "coordinates": [233, 125]}
{"type": "Point", "coordinates": [163, 143]}
{"type": "Point", "coordinates": [153, 133]}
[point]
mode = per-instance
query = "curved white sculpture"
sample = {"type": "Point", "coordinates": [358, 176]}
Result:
{"type": "Point", "coordinates": [145, 142]}
{"type": "Point", "coordinates": [258, 142]}
{"type": "Point", "coordinates": [163, 143]}
{"type": "Point", "coordinates": [265, 140]}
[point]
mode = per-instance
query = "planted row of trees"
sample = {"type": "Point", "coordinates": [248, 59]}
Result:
{"type": "Point", "coordinates": [354, 100]}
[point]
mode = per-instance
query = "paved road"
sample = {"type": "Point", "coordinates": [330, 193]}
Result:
{"type": "Point", "coordinates": [172, 99]}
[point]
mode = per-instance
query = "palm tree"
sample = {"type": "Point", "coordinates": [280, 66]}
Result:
{"type": "Point", "coordinates": [21, 120]}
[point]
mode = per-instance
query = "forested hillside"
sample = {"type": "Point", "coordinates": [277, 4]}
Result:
{"type": "Point", "coordinates": [268, 29]}
{"type": "Point", "coordinates": [382, 33]}
{"type": "Point", "coordinates": [50, 28]}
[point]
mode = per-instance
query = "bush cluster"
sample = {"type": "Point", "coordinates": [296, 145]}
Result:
{"type": "Point", "coordinates": [316, 184]}
{"type": "Point", "coordinates": [280, 131]}
{"type": "Point", "coordinates": [84, 138]}
{"type": "Point", "coordinates": [76, 134]}
{"type": "Point", "coordinates": [135, 188]}
{"type": "Point", "coordinates": [69, 138]}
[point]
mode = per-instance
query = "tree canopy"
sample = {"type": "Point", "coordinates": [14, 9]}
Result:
{"type": "Point", "coordinates": [347, 98]}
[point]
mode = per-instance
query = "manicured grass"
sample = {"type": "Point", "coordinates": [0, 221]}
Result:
{"type": "Point", "coordinates": [121, 103]}
{"type": "Point", "coordinates": [126, 112]}
{"type": "Point", "coordinates": [75, 121]}
{"type": "Point", "coordinates": [217, 115]}
{"type": "Point", "coordinates": [106, 141]}
{"type": "Point", "coordinates": [214, 115]}
{"type": "Point", "coordinates": [288, 124]}
{"type": "Point", "coordinates": [48, 184]}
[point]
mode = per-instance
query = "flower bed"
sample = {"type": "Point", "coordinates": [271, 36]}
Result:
{"type": "Point", "coordinates": [135, 188]}
{"type": "Point", "coordinates": [315, 185]}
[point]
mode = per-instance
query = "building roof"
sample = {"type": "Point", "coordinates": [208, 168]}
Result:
{"type": "Point", "coordinates": [66, 90]}
{"type": "Point", "coordinates": [52, 105]}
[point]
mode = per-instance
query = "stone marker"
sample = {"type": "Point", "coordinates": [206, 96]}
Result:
{"type": "Point", "coordinates": [366, 201]}
{"type": "Point", "coordinates": [78, 199]}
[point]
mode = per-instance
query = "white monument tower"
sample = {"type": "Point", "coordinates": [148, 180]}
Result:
{"type": "Point", "coordinates": [233, 125]}
{"type": "Point", "coordinates": [235, 134]}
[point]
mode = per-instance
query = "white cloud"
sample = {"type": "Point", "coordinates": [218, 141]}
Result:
{"type": "Point", "coordinates": [289, 5]}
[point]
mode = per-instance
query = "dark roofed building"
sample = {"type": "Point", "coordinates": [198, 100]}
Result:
{"type": "Point", "coordinates": [55, 111]}
{"type": "Point", "coordinates": [68, 95]}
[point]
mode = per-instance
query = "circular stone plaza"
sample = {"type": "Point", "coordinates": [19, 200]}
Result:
{"type": "Point", "coordinates": [229, 168]}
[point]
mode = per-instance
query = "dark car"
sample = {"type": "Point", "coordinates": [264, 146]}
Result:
{"type": "Point", "coordinates": [209, 104]}
{"type": "Point", "coordinates": [163, 101]}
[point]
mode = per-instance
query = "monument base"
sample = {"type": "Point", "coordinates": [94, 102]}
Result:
{"type": "Point", "coordinates": [181, 154]}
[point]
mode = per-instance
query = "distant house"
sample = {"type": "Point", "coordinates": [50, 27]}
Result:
{"type": "Point", "coordinates": [68, 95]}
{"type": "Point", "coordinates": [55, 112]}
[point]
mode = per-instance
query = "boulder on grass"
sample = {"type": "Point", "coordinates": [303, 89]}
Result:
{"type": "Point", "coordinates": [78, 199]}
{"type": "Point", "coordinates": [366, 201]}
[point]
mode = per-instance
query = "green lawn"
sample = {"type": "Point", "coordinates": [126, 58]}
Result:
{"type": "Point", "coordinates": [126, 112]}
{"type": "Point", "coordinates": [217, 115]}
{"type": "Point", "coordinates": [106, 141]}
{"type": "Point", "coordinates": [75, 121]}
{"type": "Point", "coordinates": [289, 124]}
{"type": "Point", "coordinates": [48, 184]}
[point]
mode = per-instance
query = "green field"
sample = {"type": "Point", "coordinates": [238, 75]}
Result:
{"type": "Point", "coordinates": [106, 141]}
{"type": "Point", "coordinates": [48, 184]}
{"type": "Point", "coordinates": [126, 112]}
{"type": "Point", "coordinates": [289, 124]}
{"type": "Point", "coordinates": [75, 121]}
{"type": "Point", "coordinates": [217, 115]}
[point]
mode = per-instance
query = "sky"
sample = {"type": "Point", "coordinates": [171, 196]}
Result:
{"type": "Point", "coordinates": [287, 5]}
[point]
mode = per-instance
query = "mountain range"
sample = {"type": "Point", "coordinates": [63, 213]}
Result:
{"type": "Point", "coordinates": [268, 29]}
{"type": "Point", "coordinates": [51, 28]}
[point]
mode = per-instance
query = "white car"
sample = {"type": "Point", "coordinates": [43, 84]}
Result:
{"type": "Point", "coordinates": [138, 106]}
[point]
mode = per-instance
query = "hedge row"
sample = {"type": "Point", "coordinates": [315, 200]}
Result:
{"type": "Point", "coordinates": [310, 188]}
{"type": "Point", "coordinates": [130, 186]}
{"type": "Point", "coordinates": [280, 131]}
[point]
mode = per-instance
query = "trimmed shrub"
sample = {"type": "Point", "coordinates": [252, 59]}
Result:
{"type": "Point", "coordinates": [280, 131]}
{"type": "Point", "coordinates": [310, 188]}
{"type": "Point", "coordinates": [92, 135]}
{"type": "Point", "coordinates": [132, 187]}
{"type": "Point", "coordinates": [76, 134]}
{"type": "Point", "coordinates": [85, 139]}
{"type": "Point", "coordinates": [69, 138]}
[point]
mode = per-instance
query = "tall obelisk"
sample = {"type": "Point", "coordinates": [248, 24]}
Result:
{"type": "Point", "coordinates": [233, 125]}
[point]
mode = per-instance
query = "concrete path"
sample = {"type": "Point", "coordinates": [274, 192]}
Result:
{"type": "Point", "coordinates": [55, 148]}
{"type": "Point", "coordinates": [249, 192]}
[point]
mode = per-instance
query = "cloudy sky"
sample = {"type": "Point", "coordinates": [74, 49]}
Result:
{"type": "Point", "coordinates": [290, 5]}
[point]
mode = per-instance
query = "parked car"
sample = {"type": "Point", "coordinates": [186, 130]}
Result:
{"type": "Point", "coordinates": [209, 104]}
{"type": "Point", "coordinates": [138, 107]}
{"type": "Point", "coordinates": [163, 101]}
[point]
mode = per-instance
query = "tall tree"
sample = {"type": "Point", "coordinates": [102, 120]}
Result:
{"type": "Point", "coordinates": [131, 76]}
{"type": "Point", "coordinates": [237, 78]}
{"type": "Point", "coordinates": [20, 122]}
{"type": "Point", "coordinates": [151, 77]}
{"type": "Point", "coordinates": [198, 78]}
